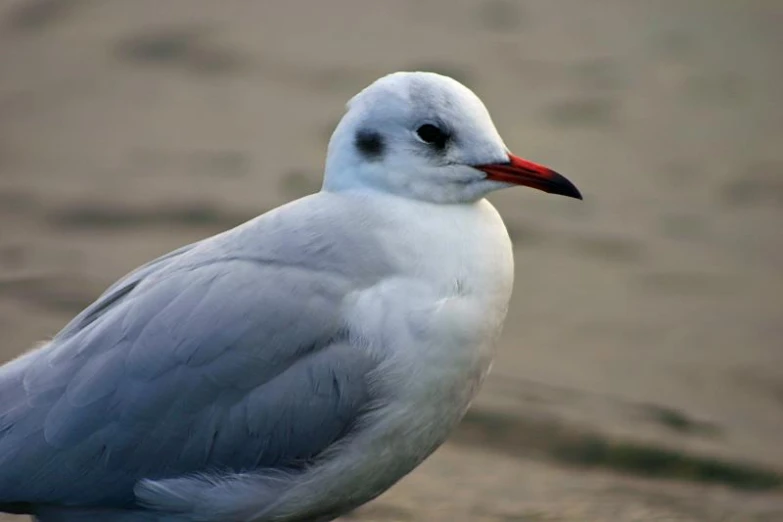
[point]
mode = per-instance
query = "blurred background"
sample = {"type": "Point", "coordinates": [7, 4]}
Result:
{"type": "Point", "coordinates": [640, 375]}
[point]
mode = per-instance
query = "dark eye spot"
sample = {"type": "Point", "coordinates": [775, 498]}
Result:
{"type": "Point", "coordinates": [370, 144]}
{"type": "Point", "coordinates": [432, 135]}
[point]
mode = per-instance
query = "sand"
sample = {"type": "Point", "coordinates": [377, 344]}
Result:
{"type": "Point", "coordinates": [640, 375]}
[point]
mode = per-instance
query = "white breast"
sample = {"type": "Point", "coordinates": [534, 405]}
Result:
{"type": "Point", "coordinates": [434, 324]}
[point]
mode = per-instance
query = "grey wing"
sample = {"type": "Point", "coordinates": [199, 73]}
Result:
{"type": "Point", "coordinates": [229, 367]}
{"type": "Point", "coordinates": [120, 289]}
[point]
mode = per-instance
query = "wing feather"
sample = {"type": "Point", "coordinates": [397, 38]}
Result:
{"type": "Point", "coordinates": [229, 366]}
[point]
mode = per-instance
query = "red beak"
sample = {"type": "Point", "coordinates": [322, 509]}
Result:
{"type": "Point", "coordinates": [523, 172]}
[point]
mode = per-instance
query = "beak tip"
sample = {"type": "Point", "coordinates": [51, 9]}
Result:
{"type": "Point", "coordinates": [564, 187]}
{"type": "Point", "coordinates": [574, 193]}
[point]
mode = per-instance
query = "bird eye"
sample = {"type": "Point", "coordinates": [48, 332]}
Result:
{"type": "Point", "coordinates": [432, 135]}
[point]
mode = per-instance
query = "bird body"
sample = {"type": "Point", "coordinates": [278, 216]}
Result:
{"type": "Point", "coordinates": [294, 367]}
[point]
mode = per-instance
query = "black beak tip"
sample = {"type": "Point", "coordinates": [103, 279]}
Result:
{"type": "Point", "coordinates": [574, 193]}
{"type": "Point", "coordinates": [563, 187]}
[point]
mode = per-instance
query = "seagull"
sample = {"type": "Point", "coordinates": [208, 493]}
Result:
{"type": "Point", "coordinates": [297, 366]}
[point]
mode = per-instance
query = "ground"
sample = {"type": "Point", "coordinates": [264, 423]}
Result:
{"type": "Point", "coordinates": [640, 375]}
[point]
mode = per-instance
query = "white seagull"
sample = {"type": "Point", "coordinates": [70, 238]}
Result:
{"type": "Point", "coordinates": [298, 365]}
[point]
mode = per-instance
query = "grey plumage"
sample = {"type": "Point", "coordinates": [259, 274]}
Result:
{"type": "Point", "coordinates": [226, 356]}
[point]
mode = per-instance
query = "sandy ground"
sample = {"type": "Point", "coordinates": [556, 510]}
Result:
{"type": "Point", "coordinates": [641, 371]}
